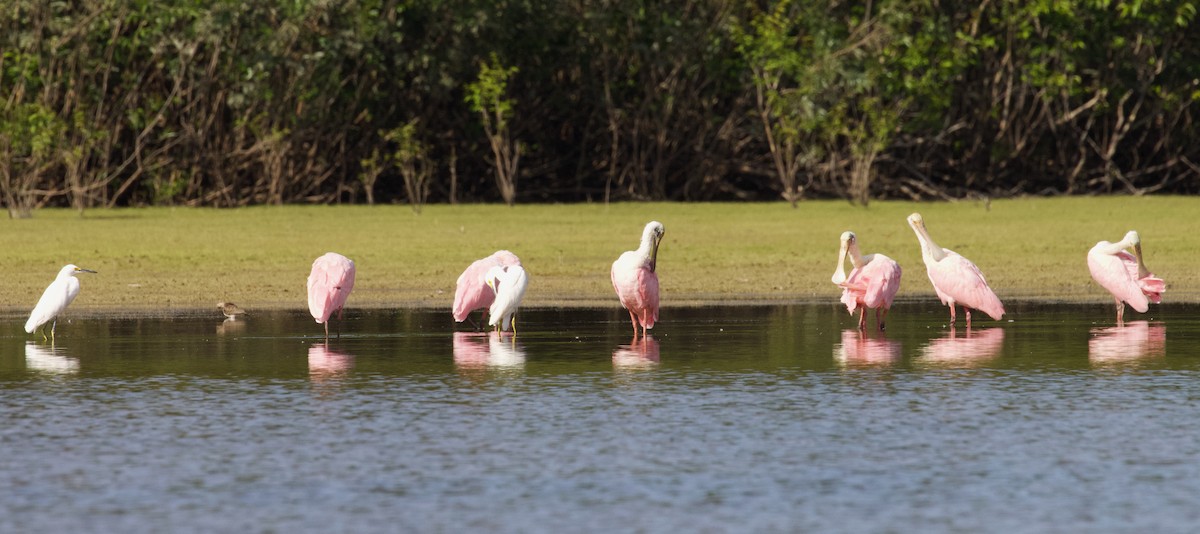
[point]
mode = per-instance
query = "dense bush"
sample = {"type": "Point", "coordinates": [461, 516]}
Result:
{"type": "Point", "coordinates": [226, 103]}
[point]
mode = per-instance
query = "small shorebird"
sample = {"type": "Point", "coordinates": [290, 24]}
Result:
{"type": "Point", "coordinates": [231, 310]}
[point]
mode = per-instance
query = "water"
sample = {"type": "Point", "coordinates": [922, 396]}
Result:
{"type": "Point", "coordinates": [763, 419]}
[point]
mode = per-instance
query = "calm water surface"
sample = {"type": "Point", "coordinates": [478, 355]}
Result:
{"type": "Point", "coordinates": [763, 419]}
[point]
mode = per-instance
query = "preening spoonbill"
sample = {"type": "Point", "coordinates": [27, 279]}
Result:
{"type": "Point", "coordinates": [329, 284]}
{"type": "Point", "coordinates": [872, 283]}
{"type": "Point", "coordinates": [508, 283]}
{"type": "Point", "coordinates": [55, 299]}
{"type": "Point", "coordinates": [1125, 275]}
{"type": "Point", "coordinates": [955, 279]}
{"type": "Point", "coordinates": [635, 280]}
{"type": "Point", "coordinates": [230, 310]}
{"type": "Point", "coordinates": [471, 291]}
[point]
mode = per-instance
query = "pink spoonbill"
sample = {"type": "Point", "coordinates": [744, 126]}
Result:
{"type": "Point", "coordinates": [873, 281]}
{"type": "Point", "coordinates": [329, 284]}
{"type": "Point", "coordinates": [1125, 275]}
{"type": "Point", "coordinates": [508, 283]}
{"type": "Point", "coordinates": [635, 280]}
{"type": "Point", "coordinates": [955, 279]}
{"type": "Point", "coordinates": [471, 291]}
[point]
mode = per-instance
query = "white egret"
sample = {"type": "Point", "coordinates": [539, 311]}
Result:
{"type": "Point", "coordinates": [509, 283]}
{"type": "Point", "coordinates": [55, 299]}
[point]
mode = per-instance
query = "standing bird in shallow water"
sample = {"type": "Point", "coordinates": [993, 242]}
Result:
{"type": "Point", "coordinates": [873, 281]}
{"type": "Point", "coordinates": [508, 283]}
{"type": "Point", "coordinates": [471, 292]}
{"type": "Point", "coordinates": [230, 310]}
{"type": "Point", "coordinates": [1125, 275]}
{"type": "Point", "coordinates": [955, 279]}
{"type": "Point", "coordinates": [55, 299]}
{"type": "Point", "coordinates": [634, 279]}
{"type": "Point", "coordinates": [329, 284]}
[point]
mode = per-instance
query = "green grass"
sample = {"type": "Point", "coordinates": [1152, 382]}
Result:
{"type": "Point", "coordinates": [163, 258]}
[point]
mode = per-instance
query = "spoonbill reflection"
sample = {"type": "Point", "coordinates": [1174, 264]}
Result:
{"type": "Point", "coordinates": [858, 349]}
{"type": "Point", "coordinates": [1134, 341]}
{"type": "Point", "coordinates": [635, 279]}
{"type": "Point", "coordinates": [58, 295]}
{"type": "Point", "coordinates": [324, 362]}
{"type": "Point", "coordinates": [474, 350]}
{"type": "Point", "coordinates": [1125, 275]}
{"type": "Point", "coordinates": [955, 279]}
{"type": "Point", "coordinates": [873, 281]}
{"type": "Point", "coordinates": [976, 346]}
{"type": "Point", "coordinates": [640, 352]}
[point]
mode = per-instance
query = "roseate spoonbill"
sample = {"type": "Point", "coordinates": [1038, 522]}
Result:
{"type": "Point", "coordinates": [872, 283]}
{"type": "Point", "coordinates": [635, 280]}
{"type": "Point", "coordinates": [508, 283]}
{"type": "Point", "coordinates": [230, 310]}
{"type": "Point", "coordinates": [55, 299]}
{"type": "Point", "coordinates": [1125, 275]}
{"type": "Point", "coordinates": [329, 284]}
{"type": "Point", "coordinates": [955, 279]}
{"type": "Point", "coordinates": [471, 291]}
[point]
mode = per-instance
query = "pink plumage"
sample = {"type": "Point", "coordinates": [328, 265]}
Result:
{"type": "Point", "coordinates": [1124, 275]}
{"type": "Point", "coordinates": [329, 285]}
{"type": "Point", "coordinates": [872, 284]}
{"type": "Point", "coordinates": [956, 280]}
{"type": "Point", "coordinates": [635, 279]}
{"type": "Point", "coordinates": [471, 291]}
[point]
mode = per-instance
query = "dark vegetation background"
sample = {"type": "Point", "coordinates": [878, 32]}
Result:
{"type": "Point", "coordinates": [229, 103]}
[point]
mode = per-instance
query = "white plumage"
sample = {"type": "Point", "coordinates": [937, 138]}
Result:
{"type": "Point", "coordinates": [55, 299]}
{"type": "Point", "coordinates": [509, 283]}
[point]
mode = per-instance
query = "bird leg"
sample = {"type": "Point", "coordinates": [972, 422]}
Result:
{"type": "Point", "coordinates": [880, 315]}
{"type": "Point", "coordinates": [514, 325]}
{"type": "Point", "coordinates": [968, 310]}
{"type": "Point", "coordinates": [326, 331]}
{"type": "Point", "coordinates": [52, 327]}
{"type": "Point", "coordinates": [1120, 313]}
{"type": "Point", "coordinates": [862, 319]}
{"type": "Point", "coordinates": [952, 314]}
{"type": "Point", "coordinates": [633, 320]}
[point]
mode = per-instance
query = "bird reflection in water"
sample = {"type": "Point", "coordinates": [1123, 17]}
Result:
{"type": "Point", "coordinates": [230, 327]}
{"type": "Point", "coordinates": [325, 364]}
{"type": "Point", "coordinates": [973, 347]}
{"type": "Point", "coordinates": [51, 360]}
{"type": "Point", "coordinates": [482, 350]}
{"type": "Point", "coordinates": [1137, 340]}
{"type": "Point", "coordinates": [858, 348]}
{"type": "Point", "coordinates": [641, 352]}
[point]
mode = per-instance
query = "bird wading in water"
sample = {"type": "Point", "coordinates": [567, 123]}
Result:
{"type": "Point", "coordinates": [55, 299]}
{"type": "Point", "coordinates": [635, 279]}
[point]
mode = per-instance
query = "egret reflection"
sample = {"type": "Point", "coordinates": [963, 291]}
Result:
{"type": "Point", "coordinates": [973, 347]}
{"type": "Point", "coordinates": [479, 350]}
{"type": "Point", "coordinates": [49, 359]}
{"type": "Point", "coordinates": [1136, 340]}
{"type": "Point", "coordinates": [641, 352]}
{"type": "Point", "coordinates": [858, 348]}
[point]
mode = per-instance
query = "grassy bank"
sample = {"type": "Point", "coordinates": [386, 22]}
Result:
{"type": "Point", "coordinates": [178, 259]}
